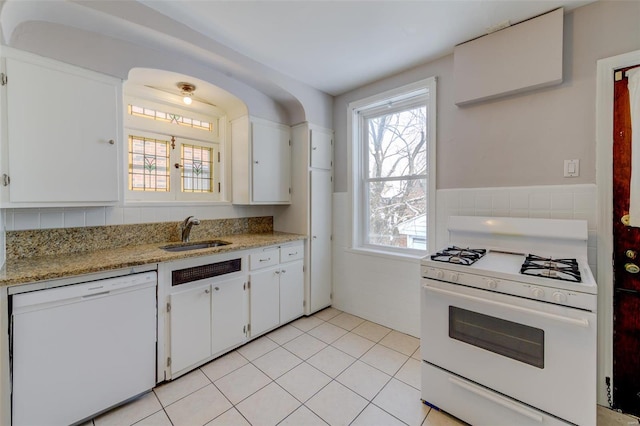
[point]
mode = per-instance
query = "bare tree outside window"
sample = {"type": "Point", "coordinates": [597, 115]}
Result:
{"type": "Point", "coordinates": [395, 185]}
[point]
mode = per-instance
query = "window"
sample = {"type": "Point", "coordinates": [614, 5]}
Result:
{"type": "Point", "coordinates": [393, 169]}
{"type": "Point", "coordinates": [174, 154]}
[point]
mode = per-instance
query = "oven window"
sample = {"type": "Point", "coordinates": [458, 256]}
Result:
{"type": "Point", "coordinates": [513, 340]}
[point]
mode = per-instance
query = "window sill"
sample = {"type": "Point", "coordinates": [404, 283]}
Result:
{"type": "Point", "coordinates": [404, 257]}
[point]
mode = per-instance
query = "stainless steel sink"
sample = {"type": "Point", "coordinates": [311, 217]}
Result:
{"type": "Point", "coordinates": [194, 245]}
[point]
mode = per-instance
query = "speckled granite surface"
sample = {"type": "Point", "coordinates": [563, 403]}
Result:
{"type": "Point", "coordinates": [49, 242]}
{"type": "Point", "coordinates": [58, 263]}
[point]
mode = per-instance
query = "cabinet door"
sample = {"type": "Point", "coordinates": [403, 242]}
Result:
{"type": "Point", "coordinates": [320, 245]}
{"type": "Point", "coordinates": [321, 150]}
{"type": "Point", "coordinates": [228, 314]}
{"type": "Point", "coordinates": [291, 291]}
{"type": "Point", "coordinates": [271, 164]}
{"type": "Point", "coordinates": [190, 318]}
{"type": "Point", "coordinates": [265, 300]}
{"type": "Point", "coordinates": [62, 134]}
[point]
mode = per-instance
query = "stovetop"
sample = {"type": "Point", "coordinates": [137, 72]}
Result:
{"type": "Point", "coordinates": [566, 273]}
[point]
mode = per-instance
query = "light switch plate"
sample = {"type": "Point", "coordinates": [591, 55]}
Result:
{"type": "Point", "coordinates": [571, 168]}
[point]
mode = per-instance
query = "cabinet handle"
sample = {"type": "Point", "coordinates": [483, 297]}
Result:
{"type": "Point", "coordinates": [207, 291]}
{"type": "Point", "coordinates": [632, 268]}
{"type": "Point", "coordinates": [314, 237]}
{"type": "Point", "coordinates": [277, 272]}
{"type": "Point", "coordinates": [6, 180]}
{"type": "Point", "coordinates": [293, 254]}
{"type": "Point", "coordinates": [265, 260]}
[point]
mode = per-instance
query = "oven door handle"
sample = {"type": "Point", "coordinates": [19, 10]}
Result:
{"type": "Point", "coordinates": [582, 322]}
{"type": "Point", "coordinates": [510, 405]}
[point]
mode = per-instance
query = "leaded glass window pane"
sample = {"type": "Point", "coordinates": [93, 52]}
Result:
{"type": "Point", "coordinates": [169, 118]}
{"type": "Point", "coordinates": [197, 168]}
{"type": "Point", "coordinates": [148, 164]}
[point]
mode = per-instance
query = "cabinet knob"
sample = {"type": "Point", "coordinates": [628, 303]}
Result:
{"type": "Point", "coordinates": [314, 148]}
{"type": "Point", "coordinates": [277, 272]}
{"type": "Point", "coordinates": [217, 288]}
{"type": "Point", "coordinates": [257, 162]}
{"type": "Point", "coordinates": [631, 254]}
{"type": "Point", "coordinates": [284, 271]}
{"type": "Point", "coordinates": [207, 291]}
{"type": "Point", "coordinates": [111, 142]}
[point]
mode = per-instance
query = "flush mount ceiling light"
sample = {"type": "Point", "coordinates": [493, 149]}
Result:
{"type": "Point", "coordinates": [186, 90]}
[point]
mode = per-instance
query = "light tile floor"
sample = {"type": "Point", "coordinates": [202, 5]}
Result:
{"type": "Point", "coordinates": [330, 368]}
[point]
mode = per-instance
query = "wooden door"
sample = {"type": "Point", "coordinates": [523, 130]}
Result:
{"type": "Point", "coordinates": [626, 259]}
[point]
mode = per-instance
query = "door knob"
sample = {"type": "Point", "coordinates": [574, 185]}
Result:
{"type": "Point", "coordinates": [632, 268]}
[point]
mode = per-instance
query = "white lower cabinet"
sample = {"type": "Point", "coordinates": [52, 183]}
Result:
{"type": "Point", "coordinates": [277, 286]}
{"type": "Point", "coordinates": [209, 312]}
{"type": "Point", "coordinates": [190, 319]}
{"type": "Point", "coordinates": [265, 300]}
{"type": "Point", "coordinates": [228, 314]}
{"type": "Point", "coordinates": [206, 320]}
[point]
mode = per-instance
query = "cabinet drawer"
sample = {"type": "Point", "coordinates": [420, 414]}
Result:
{"type": "Point", "coordinates": [290, 253]}
{"type": "Point", "coordinates": [263, 259]}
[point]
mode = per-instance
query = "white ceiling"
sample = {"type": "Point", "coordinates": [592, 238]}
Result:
{"type": "Point", "coordinates": [336, 46]}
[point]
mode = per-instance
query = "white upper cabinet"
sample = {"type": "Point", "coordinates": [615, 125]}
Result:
{"type": "Point", "coordinates": [261, 162]}
{"type": "Point", "coordinates": [63, 128]}
{"type": "Point", "coordinates": [321, 149]}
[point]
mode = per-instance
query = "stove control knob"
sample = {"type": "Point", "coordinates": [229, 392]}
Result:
{"type": "Point", "coordinates": [439, 274]}
{"type": "Point", "coordinates": [492, 284]}
{"type": "Point", "coordinates": [559, 297]}
{"type": "Point", "coordinates": [454, 276]}
{"type": "Point", "coordinates": [538, 293]}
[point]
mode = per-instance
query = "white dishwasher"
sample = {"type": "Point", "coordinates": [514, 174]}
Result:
{"type": "Point", "coordinates": [80, 349]}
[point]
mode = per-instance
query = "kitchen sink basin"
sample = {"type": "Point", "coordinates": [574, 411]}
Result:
{"type": "Point", "coordinates": [194, 245]}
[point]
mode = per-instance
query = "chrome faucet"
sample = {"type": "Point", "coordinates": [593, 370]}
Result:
{"type": "Point", "coordinates": [186, 227]}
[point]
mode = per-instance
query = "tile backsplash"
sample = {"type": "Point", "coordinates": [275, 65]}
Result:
{"type": "Point", "coordinates": [75, 217]}
{"type": "Point", "coordinates": [552, 202]}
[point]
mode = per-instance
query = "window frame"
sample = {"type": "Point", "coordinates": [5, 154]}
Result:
{"type": "Point", "coordinates": [156, 129]}
{"type": "Point", "coordinates": [421, 92]}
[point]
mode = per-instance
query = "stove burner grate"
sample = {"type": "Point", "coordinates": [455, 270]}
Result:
{"type": "Point", "coordinates": [462, 256]}
{"type": "Point", "coordinates": [557, 269]}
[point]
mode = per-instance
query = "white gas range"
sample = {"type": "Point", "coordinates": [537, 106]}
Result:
{"type": "Point", "coordinates": [508, 327]}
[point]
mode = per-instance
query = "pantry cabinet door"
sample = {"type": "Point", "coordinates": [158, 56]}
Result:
{"type": "Point", "coordinates": [228, 314]}
{"type": "Point", "coordinates": [320, 244]}
{"type": "Point", "coordinates": [62, 134]}
{"type": "Point", "coordinates": [321, 150]}
{"type": "Point", "coordinates": [190, 317]}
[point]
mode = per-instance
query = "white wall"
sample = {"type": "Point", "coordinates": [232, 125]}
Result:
{"type": "Point", "coordinates": [386, 290]}
{"type": "Point", "coordinates": [522, 139]}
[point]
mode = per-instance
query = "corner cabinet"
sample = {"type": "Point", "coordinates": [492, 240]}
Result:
{"type": "Point", "coordinates": [261, 161]}
{"type": "Point", "coordinates": [63, 125]}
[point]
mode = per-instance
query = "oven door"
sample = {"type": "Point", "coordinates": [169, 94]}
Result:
{"type": "Point", "coordinates": [538, 353]}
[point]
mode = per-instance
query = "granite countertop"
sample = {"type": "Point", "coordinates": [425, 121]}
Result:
{"type": "Point", "coordinates": [40, 268]}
